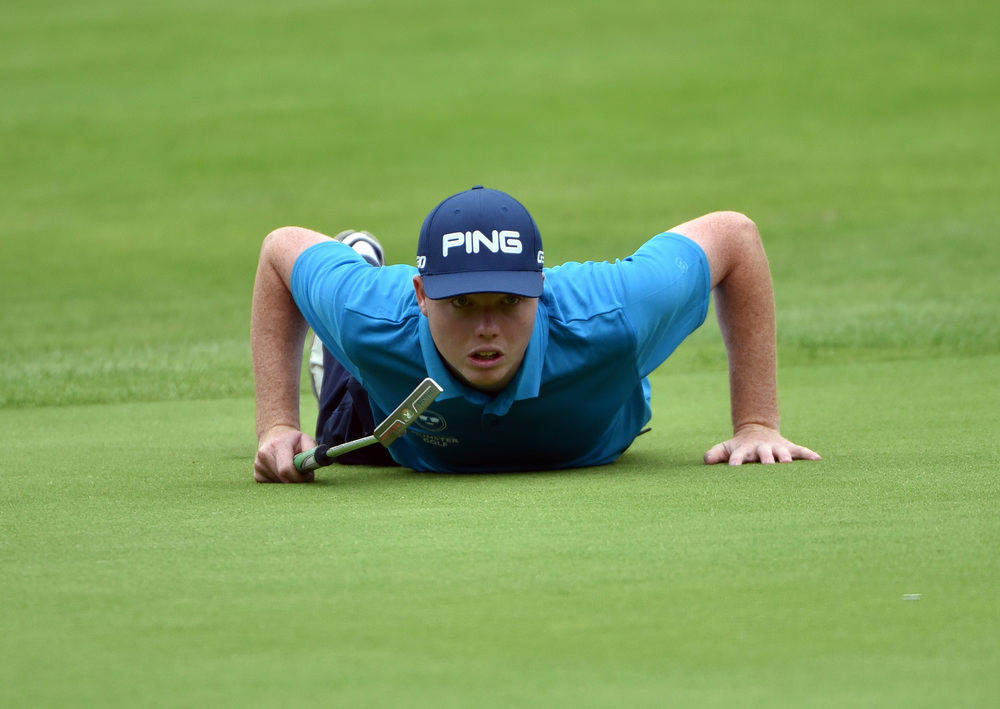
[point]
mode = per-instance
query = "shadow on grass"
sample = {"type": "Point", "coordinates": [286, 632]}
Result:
{"type": "Point", "coordinates": [635, 464]}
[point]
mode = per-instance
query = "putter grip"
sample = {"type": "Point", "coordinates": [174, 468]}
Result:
{"type": "Point", "coordinates": [312, 459]}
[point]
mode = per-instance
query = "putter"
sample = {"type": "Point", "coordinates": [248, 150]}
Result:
{"type": "Point", "coordinates": [394, 426]}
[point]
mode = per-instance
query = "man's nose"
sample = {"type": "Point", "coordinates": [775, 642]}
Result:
{"type": "Point", "coordinates": [487, 325]}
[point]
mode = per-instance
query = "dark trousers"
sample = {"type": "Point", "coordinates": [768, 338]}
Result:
{"type": "Point", "coordinates": [346, 415]}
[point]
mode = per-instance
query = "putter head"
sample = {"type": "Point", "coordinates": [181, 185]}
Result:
{"type": "Point", "coordinates": [407, 413]}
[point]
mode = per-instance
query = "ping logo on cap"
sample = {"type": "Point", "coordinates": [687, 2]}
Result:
{"type": "Point", "coordinates": [505, 241]}
{"type": "Point", "coordinates": [480, 241]}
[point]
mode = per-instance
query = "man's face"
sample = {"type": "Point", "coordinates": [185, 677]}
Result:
{"type": "Point", "coordinates": [481, 336]}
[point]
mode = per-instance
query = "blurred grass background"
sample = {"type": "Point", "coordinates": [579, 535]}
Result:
{"type": "Point", "coordinates": [149, 148]}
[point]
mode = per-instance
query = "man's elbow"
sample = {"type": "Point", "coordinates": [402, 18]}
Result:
{"type": "Point", "coordinates": [283, 246]}
{"type": "Point", "coordinates": [741, 238]}
{"type": "Point", "coordinates": [738, 227]}
{"type": "Point", "coordinates": [276, 239]}
{"type": "Point", "coordinates": [730, 239]}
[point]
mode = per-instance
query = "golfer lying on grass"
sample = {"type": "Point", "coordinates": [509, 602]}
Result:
{"type": "Point", "coordinates": [541, 369]}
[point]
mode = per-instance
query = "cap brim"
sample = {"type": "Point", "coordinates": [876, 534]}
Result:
{"type": "Point", "coordinates": [447, 285]}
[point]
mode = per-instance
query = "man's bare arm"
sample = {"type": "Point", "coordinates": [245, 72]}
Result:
{"type": "Point", "coordinates": [278, 332]}
{"type": "Point", "coordinates": [744, 298]}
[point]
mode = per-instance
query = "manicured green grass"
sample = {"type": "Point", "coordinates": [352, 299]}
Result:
{"type": "Point", "coordinates": [148, 148]}
{"type": "Point", "coordinates": [144, 566]}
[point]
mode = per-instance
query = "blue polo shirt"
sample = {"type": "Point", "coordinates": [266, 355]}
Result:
{"type": "Point", "coordinates": [581, 396]}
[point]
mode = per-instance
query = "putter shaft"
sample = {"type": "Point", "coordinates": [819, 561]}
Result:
{"type": "Point", "coordinates": [394, 426]}
{"type": "Point", "coordinates": [323, 455]}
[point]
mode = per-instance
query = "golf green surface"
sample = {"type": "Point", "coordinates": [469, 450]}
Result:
{"type": "Point", "coordinates": [148, 149]}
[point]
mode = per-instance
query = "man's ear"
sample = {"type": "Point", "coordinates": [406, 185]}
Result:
{"type": "Point", "coordinates": [418, 286]}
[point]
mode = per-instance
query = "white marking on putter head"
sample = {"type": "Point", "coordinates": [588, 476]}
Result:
{"type": "Point", "coordinates": [396, 423]}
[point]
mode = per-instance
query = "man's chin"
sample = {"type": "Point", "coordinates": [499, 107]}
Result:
{"type": "Point", "coordinates": [489, 381]}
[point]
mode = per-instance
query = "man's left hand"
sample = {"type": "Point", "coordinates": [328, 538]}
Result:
{"type": "Point", "coordinates": [758, 444]}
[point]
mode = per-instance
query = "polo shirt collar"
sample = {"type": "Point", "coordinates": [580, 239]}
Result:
{"type": "Point", "coordinates": [525, 385]}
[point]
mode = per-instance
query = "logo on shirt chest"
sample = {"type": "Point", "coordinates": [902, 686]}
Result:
{"type": "Point", "coordinates": [431, 421]}
{"type": "Point", "coordinates": [437, 441]}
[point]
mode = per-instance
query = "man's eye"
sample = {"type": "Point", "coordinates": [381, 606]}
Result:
{"type": "Point", "coordinates": [512, 300]}
{"type": "Point", "coordinates": [460, 301]}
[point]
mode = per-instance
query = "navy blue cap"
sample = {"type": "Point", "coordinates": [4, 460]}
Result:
{"type": "Point", "coordinates": [480, 241]}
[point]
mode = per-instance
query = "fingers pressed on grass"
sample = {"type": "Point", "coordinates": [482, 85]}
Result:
{"type": "Point", "coordinates": [741, 455]}
{"type": "Point", "coordinates": [261, 471]}
{"type": "Point", "coordinates": [764, 454]}
{"type": "Point", "coordinates": [803, 453]}
{"type": "Point", "coordinates": [716, 454]}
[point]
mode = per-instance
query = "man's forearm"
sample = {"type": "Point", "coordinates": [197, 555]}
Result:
{"type": "Point", "coordinates": [745, 307]}
{"type": "Point", "coordinates": [278, 331]}
{"type": "Point", "coordinates": [744, 303]}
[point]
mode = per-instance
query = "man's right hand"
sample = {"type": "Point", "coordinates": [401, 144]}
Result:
{"type": "Point", "coordinates": [275, 456]}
